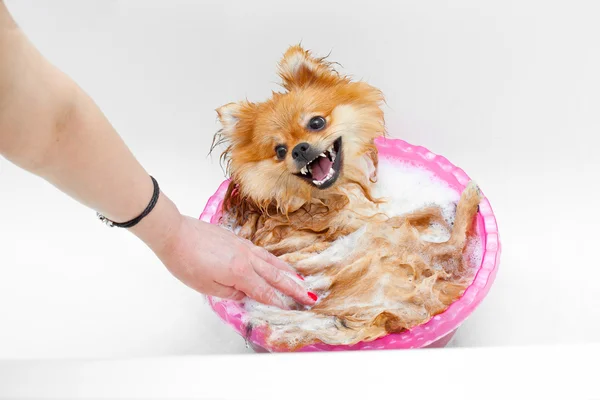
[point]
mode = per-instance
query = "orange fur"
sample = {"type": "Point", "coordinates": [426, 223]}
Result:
{"type": "Point", "coordinates": [252, 130]}
{"type": "Point", "coordinates": [282, 212]}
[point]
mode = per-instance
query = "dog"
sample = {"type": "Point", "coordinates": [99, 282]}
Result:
{"type": "Point", "coordinates": [303, 165]}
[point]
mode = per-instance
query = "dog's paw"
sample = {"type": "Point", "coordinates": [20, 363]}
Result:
{"type": "Point", "coordinates": [472, 195]}
{"type": "Point", "coordinates": [473, 189]}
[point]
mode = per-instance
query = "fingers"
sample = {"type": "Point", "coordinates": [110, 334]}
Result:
{"type": "Point", "coordinates": [261, 274]}
{"type": "Point", "coordinates": [280, 281]}
{"type": "Point", "coordinates": [271, 259]}
{"type": "Point", "coordinates": [268, 257]}
{"type": "Point", "coordinates": [258, 289]}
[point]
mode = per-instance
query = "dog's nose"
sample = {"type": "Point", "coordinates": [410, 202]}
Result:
{"type": "Point", "coordinates": [300, 151]}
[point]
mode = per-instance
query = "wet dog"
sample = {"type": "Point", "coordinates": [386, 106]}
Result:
{"type": "Point", "coordinates": [303, 165]}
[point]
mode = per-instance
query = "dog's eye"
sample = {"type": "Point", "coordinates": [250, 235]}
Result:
{"type": "Point", "coordinates": [316, 123]}
{"type": "Point", "coordinates": [281, 151]}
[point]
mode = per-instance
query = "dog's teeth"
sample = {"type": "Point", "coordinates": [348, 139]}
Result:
{"type": "Point", "coordinates": [322, 155]}
{"type": "Point", "coordinates": [328, 177]}
{"type": "Point", "coordinates": [304, 170]}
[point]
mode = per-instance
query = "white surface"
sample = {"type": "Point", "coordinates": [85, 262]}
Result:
{"type": "Point", "coordinates": [557, 372]}
{"type": "Point", "coordinates": [507, 90]}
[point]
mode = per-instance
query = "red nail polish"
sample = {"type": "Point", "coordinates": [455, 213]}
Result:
{"type": "Point", "coordinates": [300, 277]}
{"type": "Point", "coordinates": [312, 296]}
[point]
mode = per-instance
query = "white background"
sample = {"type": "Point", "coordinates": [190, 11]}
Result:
{"type": "Point", "coordinates": [507, 90]}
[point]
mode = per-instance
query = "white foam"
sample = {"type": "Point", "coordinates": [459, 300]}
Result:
{"type": "Point", "coordinates": [339, 249]}
{"type": "Point", "coordinates": [409, 188]}
{"type": "Point", "coordinates": [230, 224]}
{"type": "Point", "coordinates": [437, 234]}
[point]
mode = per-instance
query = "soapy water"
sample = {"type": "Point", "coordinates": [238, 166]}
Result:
{"type": "Point", "coordinates": [409, 187]}
{"type": "Point", "coordinates": [406, 188]}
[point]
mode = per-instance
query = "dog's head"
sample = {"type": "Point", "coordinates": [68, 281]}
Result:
{"type": "Point", "coordinates": [302, 143]}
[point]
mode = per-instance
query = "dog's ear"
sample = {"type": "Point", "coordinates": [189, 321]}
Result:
{"type": "Point", "coordinates": [229, 116]}
{"type": "Point", "coordinates": [299, 68]}
{"type": "Point", "coordinates": [236, 117]}
{"type": "Point", "coordinates": [236, 126]}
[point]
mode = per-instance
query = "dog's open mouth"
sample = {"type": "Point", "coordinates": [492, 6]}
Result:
{"type": "Point", "coordinates": [324, 170]}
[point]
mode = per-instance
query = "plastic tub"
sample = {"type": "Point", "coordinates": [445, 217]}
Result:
{"type": "Point", "coordinates": [438, 331]}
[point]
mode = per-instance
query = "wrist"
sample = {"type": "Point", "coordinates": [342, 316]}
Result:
{"type": "Point", "coordinates": [159, 227]}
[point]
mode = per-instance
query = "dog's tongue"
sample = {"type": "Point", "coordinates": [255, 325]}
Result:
{"type": "Point", "coordinates": [320, 168]}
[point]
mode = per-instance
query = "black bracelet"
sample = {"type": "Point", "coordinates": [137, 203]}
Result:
{"type": "Point", "coordinates": [136, 220]}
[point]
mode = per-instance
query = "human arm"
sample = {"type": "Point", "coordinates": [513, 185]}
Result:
{"type": "Point", "coordinates": [52, 128]}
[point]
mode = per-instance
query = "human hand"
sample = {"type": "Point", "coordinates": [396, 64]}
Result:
{"type": "Point", "coordinates": [216, 262]}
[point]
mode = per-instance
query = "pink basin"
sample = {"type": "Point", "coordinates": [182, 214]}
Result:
{"type": "Point", "coordinates": [438, 331]}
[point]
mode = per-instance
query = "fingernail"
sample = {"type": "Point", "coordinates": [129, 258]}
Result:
{"type": "Point", "coordinates": [312, 296]}
{"type": "Point", "coordinates": [300, 277]}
